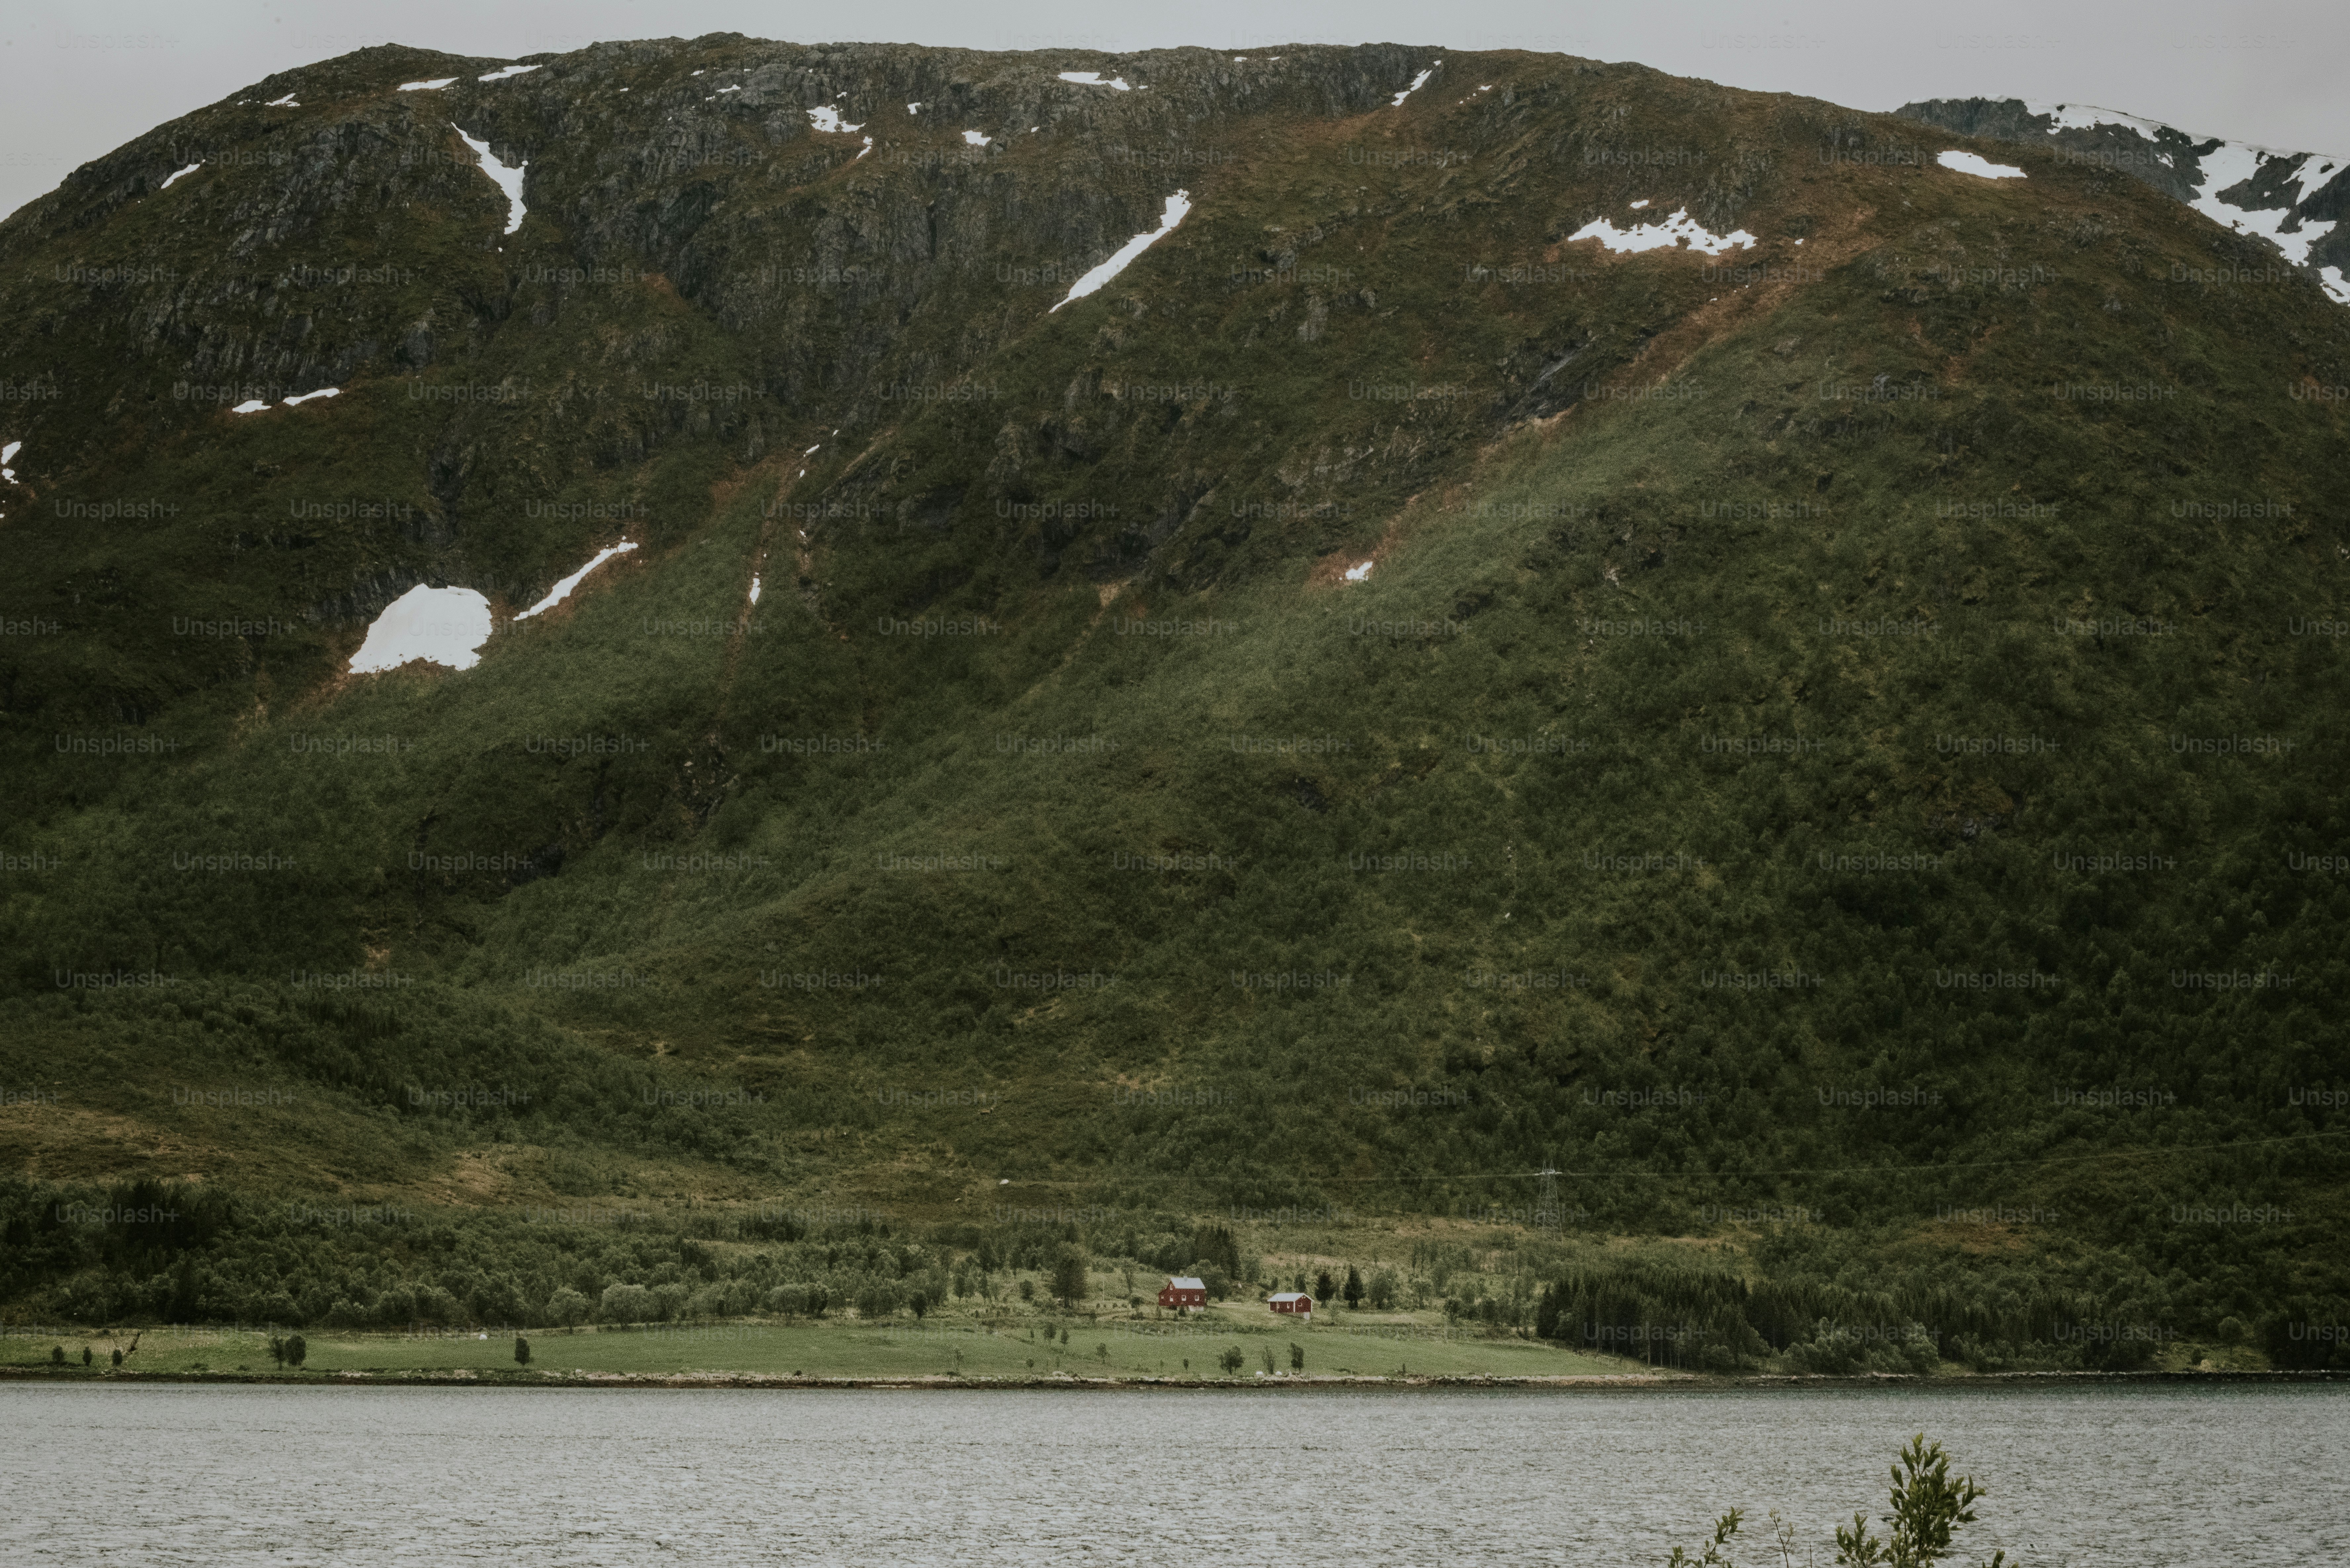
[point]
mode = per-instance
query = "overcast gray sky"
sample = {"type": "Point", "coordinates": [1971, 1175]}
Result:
{"type": "Point", "coordinates": [78, 80]}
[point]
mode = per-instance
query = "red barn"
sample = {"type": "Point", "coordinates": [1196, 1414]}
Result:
{"type": "Point", "coordinates": [1296, 1302]}
{"type": "Point", "coordinates": [1181, 1291]}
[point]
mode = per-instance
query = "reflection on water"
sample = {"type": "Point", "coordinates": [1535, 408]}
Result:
{"type": "Point", "coordinates": [165, 1474]}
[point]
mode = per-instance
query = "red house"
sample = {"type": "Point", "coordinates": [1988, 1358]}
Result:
{"type": "Point", "coordinates": [1181, 1291]}
{"type": "Point", "coordinates": [1296, 1302]}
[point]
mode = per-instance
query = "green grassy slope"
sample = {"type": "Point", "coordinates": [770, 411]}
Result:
{"type": "Point", "coordinates": [1855, 741]}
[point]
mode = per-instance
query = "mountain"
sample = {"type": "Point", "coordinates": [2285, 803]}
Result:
{"type": "Point", "coordinates": [2295, 201]}
{"type": "Point", "coordinates": [1371, 638]}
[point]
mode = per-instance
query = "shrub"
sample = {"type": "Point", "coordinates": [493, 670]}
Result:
{"type": "Point", "coordinates": [1231, 1360]}
{"type": "Point", "coordinates": [568, 1308]}
{"type": "Point", "coordinates": [1927, 1511]}
{"type": "Point", "coordinates": [521, 1351]}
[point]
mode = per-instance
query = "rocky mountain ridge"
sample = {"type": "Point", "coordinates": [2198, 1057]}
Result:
{"type": "Point", "coordinates": [2293, 201]}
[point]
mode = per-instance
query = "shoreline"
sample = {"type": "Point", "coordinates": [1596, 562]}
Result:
{"type": "Point", "coordinates": [1567, 1383]}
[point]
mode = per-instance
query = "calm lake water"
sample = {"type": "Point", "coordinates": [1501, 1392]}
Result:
{"type": "Point", "coordinates": [2207, 1476]}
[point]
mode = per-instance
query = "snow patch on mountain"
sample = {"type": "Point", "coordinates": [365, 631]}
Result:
{"type": "Point", "coordinates": [824, 117]}
{"type": "Point", "coordinates": [1094, 78]}
{"type": "Point", "coordinates": [2089, 117]}
{"type": "Point", "coordinates": [2229, 164]}
{"type": "Point", "coordinates": [1978, 166]}
{"type": "Point", "coordinates": [562, 590]}
{"type": "Point", "coordinates": [1177, 206]}
{"type": "Point", "coordinates": [507, 180]}
{"type": "Point", "coordinates": [1417, 83]}
{"type": "Point", "coordinates": [444, 626]}
{"type": "Point", "coordinates": [1677, 229]}
{"type": "Point", "coordinates": [499, 76]}
{"type": "Point", "coordinates": [427, 87]}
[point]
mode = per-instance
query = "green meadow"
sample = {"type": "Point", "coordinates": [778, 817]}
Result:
{"type": "Point", "coordinates": [1396, 1345]}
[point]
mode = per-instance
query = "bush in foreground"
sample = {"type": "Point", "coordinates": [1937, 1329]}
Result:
{"type": "Point", "coordinates": [1927, 1511]}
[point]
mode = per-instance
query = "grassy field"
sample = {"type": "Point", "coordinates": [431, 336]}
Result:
{"type": "Point", "coordinates": [1403, 1346]}
{"type": "Point", "coordinates": [1390, 1346]}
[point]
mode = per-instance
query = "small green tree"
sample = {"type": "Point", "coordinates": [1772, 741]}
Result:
{"type": "Point", "coordinates": [1296, 1357]}
{"type": "Point", "coordinates": [297, 1350]}
{"type": "Point", "coordinates": [1231, 1359]}
{"type": "Point", "coordinates": [1069, 1276]}
{"type": "Point", "coordinates": [118, 1356]}
{"type": "Point", "coordinates": [276, 1350]}
{"type": "Point", "coordinates": [1267, 1353]}
{"type": "Point", "coordinates": [521, 1351]}
{"type": "Point", "coordinates": [85, 1355]}
{"type": "Point", "coordinates": [919, 1303]}
{"type": "Point", "coordinates": [1353, 1289]}
{"type": "Point", "coordinates": [1928, 1510]}
{"type": "Point", "coordinates": [1324, 1293]}
{"type": "Point", "coordinates": [57, 1355]}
